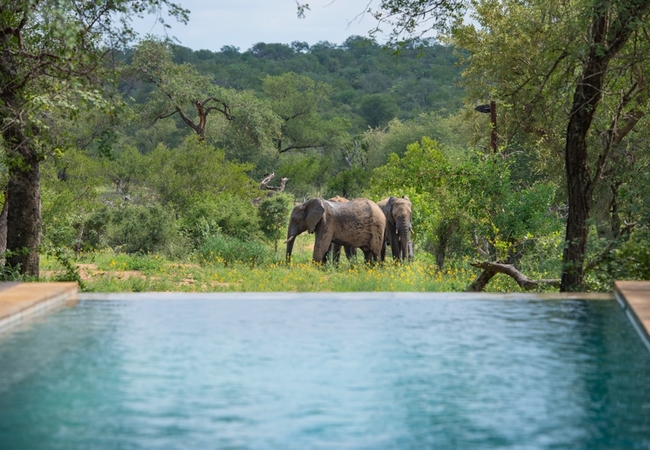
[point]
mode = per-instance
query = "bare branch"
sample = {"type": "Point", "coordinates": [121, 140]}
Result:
{"type": "Point", "coordinates": [521, 279]}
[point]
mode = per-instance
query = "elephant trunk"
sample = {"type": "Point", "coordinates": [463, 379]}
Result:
{"type": "Point", "coordinates": [404, 233]}
{"type": "Point", "coordinates": [290, 240]}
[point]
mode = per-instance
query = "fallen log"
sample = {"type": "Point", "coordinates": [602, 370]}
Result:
{"type": "Point", "coordinates": [492, 268]}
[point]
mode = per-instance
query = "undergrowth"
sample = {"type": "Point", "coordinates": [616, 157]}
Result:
{"type": "Point", "coordinates": [212, 270]}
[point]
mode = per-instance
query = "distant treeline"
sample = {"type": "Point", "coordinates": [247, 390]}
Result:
{"type": "Point", "coordinates": [371, 84]}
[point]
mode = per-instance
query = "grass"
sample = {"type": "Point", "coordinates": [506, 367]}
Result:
{"type": "Point", "coordinates": [107, 271]}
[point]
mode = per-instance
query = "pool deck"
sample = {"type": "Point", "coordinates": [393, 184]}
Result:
{"type": "Point", "coordinates": [21, 301]}
{"type": "Point", "coordinates": [634, 297]}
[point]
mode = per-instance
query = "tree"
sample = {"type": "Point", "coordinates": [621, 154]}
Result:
{"type": "Point", "coordinates": [612, 24]}
{"type": "Point", "coordinates": [408, 18]}
{"type": "Point", "coordinates": [378, 109]}
{"type": "Point", "coordinates": [298, 101]}
{"type": "Point", "coordinates": [50, 53]}
{"type": "Point", "coordinates": [574, 76]}
{"type": "Point", "coordinates": [181, 90]}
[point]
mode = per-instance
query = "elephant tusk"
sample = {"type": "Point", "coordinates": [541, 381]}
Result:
{"type": "Point", "coordinates": [291, 238]}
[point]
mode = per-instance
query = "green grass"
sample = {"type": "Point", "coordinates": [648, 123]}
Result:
{"type": "Point", "coordinates": [107, 271]}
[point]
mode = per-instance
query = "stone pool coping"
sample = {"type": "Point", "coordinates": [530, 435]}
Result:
{"type": "Point", "coordinates": [634, 298]}
{"type": "Point", "coordinates": [22, 301]}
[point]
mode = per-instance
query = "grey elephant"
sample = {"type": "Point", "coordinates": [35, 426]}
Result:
{"type": "Point", "coordinates": [335, 249]}
{"type": "Point", "coordinates": [360, 224]}
{"type": "Point", "coordinates": [398, 212]}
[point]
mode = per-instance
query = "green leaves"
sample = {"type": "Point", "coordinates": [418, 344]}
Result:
{"type": "Point", "coordinates": [194, 168]}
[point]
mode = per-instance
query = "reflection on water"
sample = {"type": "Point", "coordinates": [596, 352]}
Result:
{"type": "Point", "coordinates": [310, 372]}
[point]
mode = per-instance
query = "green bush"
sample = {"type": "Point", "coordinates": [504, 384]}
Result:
{"type": "Point", "coordinates": [274, 215]}
{"type": "Point", "coordinates": [631, 261]}
{"type": "Point", "coordinates": [209, 215]}
{"type": "Point", "coordinates": [228, 249]}
{"type": "Point", "coordinates": [144, 229]}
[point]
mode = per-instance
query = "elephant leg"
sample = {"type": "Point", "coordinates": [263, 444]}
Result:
{"type": "Point", "coordinates": [395, 246]}
{"type": "Point", "coordinates": [336, 252]}
{"type": "Point", "coordinates": [350, 252]}
{"type": "Point", "coordinates": [322, 246]}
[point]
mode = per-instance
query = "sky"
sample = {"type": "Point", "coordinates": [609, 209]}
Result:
{"type": "Point", "coordinates": [244, 23]}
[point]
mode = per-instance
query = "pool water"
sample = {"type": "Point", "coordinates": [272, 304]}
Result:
{"type": "Point", "coordinates": [316, 371]}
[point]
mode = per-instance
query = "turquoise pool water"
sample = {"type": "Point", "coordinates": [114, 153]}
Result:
{"type": "Point", "coordinates": [301, 371]}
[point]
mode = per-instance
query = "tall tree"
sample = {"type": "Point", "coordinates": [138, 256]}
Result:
{"type": "Point", "coordinates": [612, 24]}
{"type": "Point", "coordinates": [50, 51]}
{"type": "Point", "coordinates": [590, 34]}
{"type": "Point", "coordinates": [298, 101]}
{"type": "Point", "coordinates": [180, 90]}
{"type": "Point", "coordinates": [574, 75]}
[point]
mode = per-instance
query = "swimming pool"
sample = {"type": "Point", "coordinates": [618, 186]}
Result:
{"type": "Point", "coordinates": [325, 371]}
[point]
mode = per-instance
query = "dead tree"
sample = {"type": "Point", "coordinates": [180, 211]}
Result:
{"type": "Point", "coordinates": [265, 183]}
{"type": "Point", "coordinates": [272, 190]}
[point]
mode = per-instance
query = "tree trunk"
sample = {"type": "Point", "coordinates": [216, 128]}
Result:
{"type": "Point", "coordinates": [24, 208]}
{"type": "Point", "coordinates": [3, 229]}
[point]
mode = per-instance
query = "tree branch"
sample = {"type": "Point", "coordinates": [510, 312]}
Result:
{"type": "Point", "coordinates": [510, 270]}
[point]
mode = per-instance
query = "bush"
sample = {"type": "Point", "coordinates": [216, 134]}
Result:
{"type": "Point", "coordinates": [274, 212]}
{"type": "Point", "coordinates": [228, 249]}
{"type": "Point", "coordinates": [144, 229]}
{"type": "Point", "coordinates": [209, 215]}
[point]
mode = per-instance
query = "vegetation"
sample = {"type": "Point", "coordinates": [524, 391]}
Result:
{"type": "Point", "coordinates": [163, 168]}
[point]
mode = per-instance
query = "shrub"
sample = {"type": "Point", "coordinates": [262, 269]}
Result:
{"type": "Point", "coordinates": [273, 212]}
{"type": "Point", "coordinates": [209, 215]}
{"type": "Point", "coordinates": [146, 229]}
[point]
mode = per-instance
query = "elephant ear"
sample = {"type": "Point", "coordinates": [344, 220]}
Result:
{"type": "Point", "coordinates": [314, 213]}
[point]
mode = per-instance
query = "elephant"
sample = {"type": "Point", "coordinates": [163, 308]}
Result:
{"type": "Point", "coordinates": [398, 213]}
{"type": "Point", "coordinates": [360, 224]}
{"type": "Point", "coordinates": [335, 249]}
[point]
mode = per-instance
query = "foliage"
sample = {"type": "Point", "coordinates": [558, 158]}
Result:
{"type": "Point", "coordinates": [273, 212]}
{"type": "Point", "coordinates": [377, 109]}
{"type": "Point", "coordinates": [348, 183]}
{"type": "Point", "coordinates": [424, 73]}
{"type": "Point", "coordinates": [145, 229]}
{"type": "Point", "coordinates": [380, 143]}
{"type": "Point", "coordinates": [181, 90]}
{"type": "Point", "coordinates": [475, 199]}
{"type": "Point", "coordinates": [184, 186]}
{"type": "Point", "coordinates": [222, 213]}
{"type": "Point", "coordinates": [299, 101]}
{"type": "Point", "coordinates": [195, 168]}
{"type": "Point", "coordinates": [308, 172]}
{"type": "Point", "coordinates": [71, 271]}
{"type": "Point", "coordinates": [70, 187]}
{"type": "Point", "coordinates": [578, 88]}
